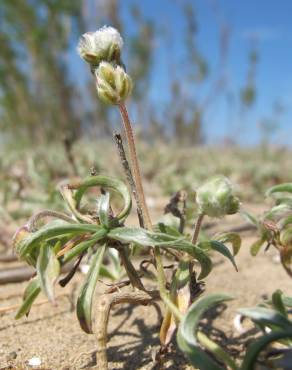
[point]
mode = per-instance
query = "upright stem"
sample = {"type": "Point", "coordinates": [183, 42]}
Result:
{"type": "Point", "coordinates": [195, 236]}
{"type": "Point", "coordinates": [135, 164]}
{"type": "Point", "coordinates": [140, 193]}
{"type": "Point", "coordinates": [197, 228]}
{"type": "Point", "coordinates": [128, 172]}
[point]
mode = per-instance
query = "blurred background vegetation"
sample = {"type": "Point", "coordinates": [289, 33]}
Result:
{"type": "Point", "coordinates": [53, 126]}
{"type": "Point", "coordinates": [45, 96]}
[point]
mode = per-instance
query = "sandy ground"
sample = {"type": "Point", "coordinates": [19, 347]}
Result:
{"type": "Point", "coordinates": [53, 333]}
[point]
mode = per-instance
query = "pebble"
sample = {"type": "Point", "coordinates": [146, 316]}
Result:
{"type": "Point", "coordinates": [11, 356]}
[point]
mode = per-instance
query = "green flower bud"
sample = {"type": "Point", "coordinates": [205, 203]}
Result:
{"type": "Point", "coordinates": [103, 45]}
{"type": "Point", "coordinates": [215, 198]}
{"type": "Point", "coordinates": [113, 84]}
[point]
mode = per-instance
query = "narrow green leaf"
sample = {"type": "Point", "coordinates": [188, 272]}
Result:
{"type": "Point", "coordinates": [256, 246]}
{"type": "Point", "coordinates": [281, 188]}
{"type": "Point", "coordinates": [52, 230]}
{"type": "Point", "coordinates": [85, 298]}
{"type": "Point", "coordinates": [146, 238]}
{"type": "Point", "coordinates": [186, 336]}
{"type": "Point", "coordinates": [232, 238]}
{"type": "Point", "coordinates": [143, 237]}
{"type": "Point", "coordinates": [278, 211]}
{"type": "Point", "coordinates": [83, 246]}
{"type": "Point", "coordinates": [278, 303]}
{"type": "Point", "coordinates": [110, 183]}
{"type": "Point", "coordinates": [284, 200]}
{"type": "Point", "coordinates": [30, 294]}
{"type": "Point", "coordinates": [217, 350]}
{"type": "Point", "coordinates": [218, 247]}
{"type": "Point", "coordinates": [203, 259]}
{"type": "Point", "coordinates": [115, 268]}
{"type": "Point", "coordinates": [103, 207]}
{"type": "Point", "coordinates": [266, 316]}
{"type": "Point", "coordinates": [285, 222]}
{"type": "Point", "coordinates": [107, 273]}
{"type": "Point", "coordinates": [170, 222]}
{"type": "Point", "coordinates": [287, 301]}
{"type": "Point", "coordinates": [48, 270]}
{"type": "Point", "coordinates": [167, 229]}
{"type": "Point", "coordinates": [113, 255]}
{"type": "Point", "coordinates": [255, 348]}
{"type": "Point", "coordinates": [286, 236]}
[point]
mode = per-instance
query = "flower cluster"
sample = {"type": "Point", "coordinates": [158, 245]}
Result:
{"type": "Point", "coordinates": [215, 198]}
{"type": "Point", "coordinates": [103, 45]}
{"type": "Point", "coordinates": [102, 50]}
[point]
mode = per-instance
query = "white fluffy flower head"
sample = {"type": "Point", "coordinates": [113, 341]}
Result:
{"type": "Point", "coordinates": [103, 44]}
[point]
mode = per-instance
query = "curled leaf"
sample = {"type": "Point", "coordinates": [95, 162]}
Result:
{"type": "Point", "coordinates": [281, 188]}
{"type": "Point", "coordinates": [233, 238]}
{"type": "Point", "coordinates": [285, 222]}
{"type": "Point", "coordinates": [103, 207]}
{"type": "Point", "coordinates": [255, 348]}
{"type": "Point", "coordinates": [218, 247]}
{"type": "Point", "coordinates": [266, 316]}
{"type": "Point", "coordinates": [187, 336]}
{"type": "Point", "coordinates": [278, 211]}
{"type": "Point", "coordinates": [106, 182]}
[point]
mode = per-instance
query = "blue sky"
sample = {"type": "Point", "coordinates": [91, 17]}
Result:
{"type": "Point", "coordinates": [267, 20]}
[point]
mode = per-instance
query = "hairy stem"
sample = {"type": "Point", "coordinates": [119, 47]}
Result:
{"type": "Point", "coordinates": [140, 193]}
{"type": "Point", "coordinates": [135, 165]}
{"type": "Point", "coordinates": [128, 172]}
{"type": "Point", "coordinates": [195, 236]}
{"type": "Point", "coordinates": [197, 228]}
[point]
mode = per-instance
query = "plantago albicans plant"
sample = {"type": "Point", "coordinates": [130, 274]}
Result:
{"type": "Point", "coordinates": [99, 228]}
{"type": "Point", "coordinates": [275, 226]}
{"type": "Point", "coordinates": [272, 317]}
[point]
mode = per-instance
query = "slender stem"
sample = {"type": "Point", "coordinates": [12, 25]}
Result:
{"type": "Point", "coordinates": [135, 165]}
{"type": "Point", "coordinates": [195, 239]}
{"type": "Point", "coordinates": [140, 193]}
{"type": "Point", "coordinates": [197, 228]}
{"type": "Point", "coordinates": [128, 172]}
{"type": "Point", "coordinates": [132, 273]}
